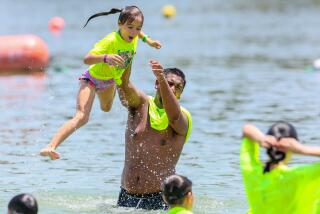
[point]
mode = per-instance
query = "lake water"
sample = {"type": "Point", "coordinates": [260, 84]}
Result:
{"type": "Point", "coordinates": [245, 61]}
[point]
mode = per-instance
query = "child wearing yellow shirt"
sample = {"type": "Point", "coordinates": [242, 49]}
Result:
{"type": "Point", "coordinates": [108, 60]}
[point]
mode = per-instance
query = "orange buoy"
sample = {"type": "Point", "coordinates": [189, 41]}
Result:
{"type": "Point", "coordinates": [56, 25]}
{"type": "Point", "coordinates": [23, 53]}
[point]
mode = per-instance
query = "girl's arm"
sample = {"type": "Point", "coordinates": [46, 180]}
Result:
{"type": "Point", "coordinates": [252, 132]}
{"type": "Point", "coordinates": [91, 59]}
{"type": "Point", "coordinates": [312, 150]}
{"type": "Point", "coordinates": [111, 59]}
{"type": "Point", "coordinates": [291, 144]}
{"type": "Point", "coordinates": [152, 43]}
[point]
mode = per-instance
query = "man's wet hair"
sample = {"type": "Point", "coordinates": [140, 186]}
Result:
{"type": "Point", "coordinates": [177, 72]}
{"type": "Point", "coordinates": [23, 204]}
{"type": "Point", "coordinates": [128, 14]}
{"type": "Point", "coordinates": [175, 188]}
{"type": "Point", "coordinates": [279, 130]}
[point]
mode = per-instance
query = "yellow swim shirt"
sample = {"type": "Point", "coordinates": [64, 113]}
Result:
{"type": "Point", "coordinates": [178, 210]}
{"type": "Point", "coordinates": [159, 119]}
{"type": "Point", "coordinates": [112, 44]}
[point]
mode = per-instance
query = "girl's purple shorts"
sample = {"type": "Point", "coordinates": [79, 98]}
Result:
{"type": "Point", "coordinates": [98, 84]}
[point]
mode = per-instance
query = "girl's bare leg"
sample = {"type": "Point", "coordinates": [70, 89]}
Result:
{"type": "Point", "coordinates": [106, 97]}
{"type": "Point", "coordinates": [85, 100]}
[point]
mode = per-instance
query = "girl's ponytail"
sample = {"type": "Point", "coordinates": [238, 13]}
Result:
{"type": "Point", "coordinates": [112, 11]}
{"type": "Point", "coordinates": [275, 157]}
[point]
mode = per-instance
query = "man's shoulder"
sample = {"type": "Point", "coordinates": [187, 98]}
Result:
{"type": "Point", "coordinates": [185, 111]}
{"type": "Point", "coordinates": [144, 98]}
{"type": "Point", "coordinates": [143, 103]}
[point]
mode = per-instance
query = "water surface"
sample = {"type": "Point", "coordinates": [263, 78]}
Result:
{"type": "Point", "coordinates": [245, 61]}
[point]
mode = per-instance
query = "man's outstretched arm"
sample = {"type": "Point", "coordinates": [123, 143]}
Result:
{"type": "Point", "coordinates": [130, 96]}
{"type": "Point", "coordinates": [178, 120]}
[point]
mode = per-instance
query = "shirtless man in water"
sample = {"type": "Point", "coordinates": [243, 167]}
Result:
{"type": "Point", "coordinates": [157, 129]}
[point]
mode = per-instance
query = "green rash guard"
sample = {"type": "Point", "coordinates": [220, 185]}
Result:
{"type": "Point", "coordinates": [284, 190]}
{"type": "Point", "coordinates": [159, 119]}
{"type": "Point", "coordinates": [179, 210]}
{"type": "Point", "coordinates": [112, 44]}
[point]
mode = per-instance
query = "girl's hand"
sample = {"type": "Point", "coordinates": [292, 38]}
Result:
{"type": "Point", "coordinates": [114, 60]}
{"type": "Point", "coordinates": [268, 141]}
{"type": "Point", "coordinates": [154, 43]}
{"type": "Point", "coordinates": [157, 68]}
{"type": "Point", "coordinates": [290, 144]}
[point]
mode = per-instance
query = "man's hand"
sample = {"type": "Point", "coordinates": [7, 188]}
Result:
{"type": "Point", "coordinates": [157, 69]}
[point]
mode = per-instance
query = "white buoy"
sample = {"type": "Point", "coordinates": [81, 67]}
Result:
{"type": "Point", "coordinates": [316, 64]}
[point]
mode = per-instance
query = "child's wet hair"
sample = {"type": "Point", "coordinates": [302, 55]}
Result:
{"type": "Point", "coordinates": [175, 188]}
{"type": "Point", "coordinates": [279, 130]}
{"type": "Point", "coordinates": [24, 204]}
{"type": "Point", "coordinates": [128, 14]}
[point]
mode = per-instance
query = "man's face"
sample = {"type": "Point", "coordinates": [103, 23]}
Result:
{"type": "Point", "coordinates": [175, 83]}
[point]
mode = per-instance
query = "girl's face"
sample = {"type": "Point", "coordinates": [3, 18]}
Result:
{"type": "Point", "coordinates": [129, 31]}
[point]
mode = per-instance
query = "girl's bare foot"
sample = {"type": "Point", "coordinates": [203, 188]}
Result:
{"type": "Point", "coordinates": [51, 152]}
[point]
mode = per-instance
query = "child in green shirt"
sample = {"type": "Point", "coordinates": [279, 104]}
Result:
{"type": "Point", "coordinates": [177, 193]}
{"type": "Point", "coordinates": [108, 60]}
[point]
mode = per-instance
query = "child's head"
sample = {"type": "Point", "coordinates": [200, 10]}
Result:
{"type": "Point", "coordinates": [282, 129]}
{"type": "Point", "coordinates": [130, 21]}
{"type": "Point", "coordinates": [129, 14]}
{"type": "Point", "coordinates": [177, 191]}
{"type": "Point", "coordinates": [279, 130]}
{"type": "Point", "coordinates": [23, 204]}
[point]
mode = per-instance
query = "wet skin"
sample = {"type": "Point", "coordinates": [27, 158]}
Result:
{"type": "Point", "coordinates": [150, 155]}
